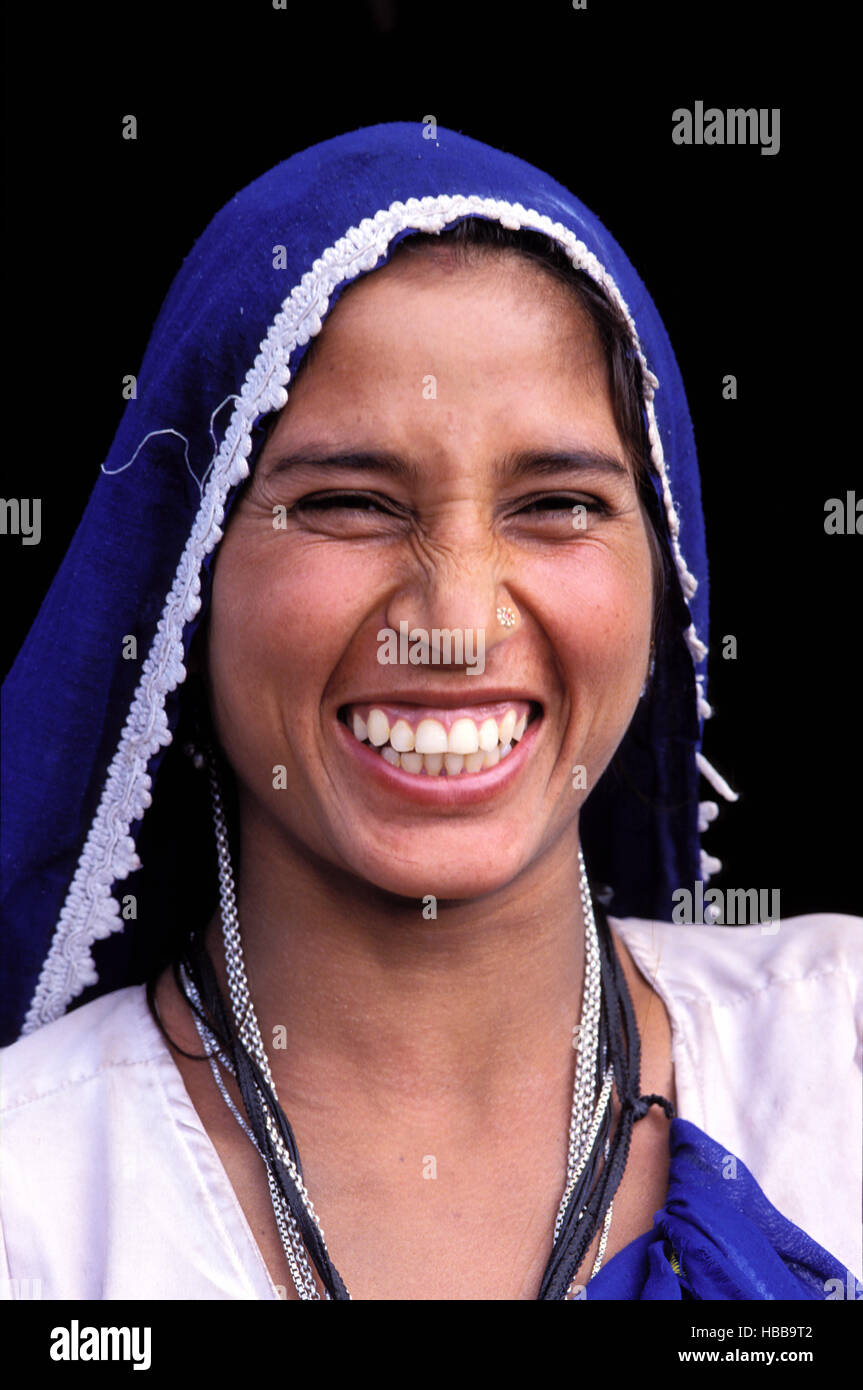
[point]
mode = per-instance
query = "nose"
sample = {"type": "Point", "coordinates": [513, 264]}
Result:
{"type": "Point", "coordinates": [474, 601]}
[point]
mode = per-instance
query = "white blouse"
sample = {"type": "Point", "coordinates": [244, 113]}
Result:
{"type": "Point", "coordinates": [110, 1187]}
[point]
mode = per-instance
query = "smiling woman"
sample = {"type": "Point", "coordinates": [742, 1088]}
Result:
{"type": "Point", "coordinates": [453, 526]}
{"type": "Point", "coordinates": [387, 985]}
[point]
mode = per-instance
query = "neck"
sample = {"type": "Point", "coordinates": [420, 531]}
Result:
{"type": "Point", "coordinates": [357, 992]}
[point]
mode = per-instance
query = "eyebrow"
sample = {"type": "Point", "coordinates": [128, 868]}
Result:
{"type": "Point", "coordinates": [525, 463]}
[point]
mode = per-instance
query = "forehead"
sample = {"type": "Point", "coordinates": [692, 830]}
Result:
{"type": "Point", "coordinates": [478, 311]}
{"type": "Point", "coordinates": [454, 366]}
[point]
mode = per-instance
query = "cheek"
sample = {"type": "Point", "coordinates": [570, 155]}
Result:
{"type": "Point", "coordinates": [601, 617]}
{"type": "Point", "coordinates": [279, 619]}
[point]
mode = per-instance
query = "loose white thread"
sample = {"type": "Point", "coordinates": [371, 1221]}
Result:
{"type": "Point", "coordinates": [717, 782]}
{"type": "Point", "coordinates": [153, 434]}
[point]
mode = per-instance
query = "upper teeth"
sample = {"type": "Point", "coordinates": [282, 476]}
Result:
{"type": "Point", "coordinates": [468, 745]}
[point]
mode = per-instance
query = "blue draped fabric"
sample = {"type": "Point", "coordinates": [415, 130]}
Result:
{"type": "Point", "coordinates": [87, 733]}
{"type": "Point", "coordinates": [718, 1237]}
{"type": "Point", "coordinates": [67, 699]}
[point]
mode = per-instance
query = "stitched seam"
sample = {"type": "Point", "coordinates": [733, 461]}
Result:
{"type": "Point", "coordinates": [720, 1001]}
{"type": "Point", "coordinates": [680, 1038]}
{"type": "Point", "coordinates": [7, 1109]}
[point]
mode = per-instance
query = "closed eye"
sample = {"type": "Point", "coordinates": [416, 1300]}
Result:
{"type": "Point", "coordinates": [344, 501]}
{"type": "Point", "coordinates": [547, 504]}
{"type": "Point", "coordinates": [553, 504]}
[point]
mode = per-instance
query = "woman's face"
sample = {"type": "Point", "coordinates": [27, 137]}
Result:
{"type": "Point", "coordinates": [464, 404]}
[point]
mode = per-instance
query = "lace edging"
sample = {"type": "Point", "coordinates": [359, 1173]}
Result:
{"type": "Point", "coordinates": [109, 854]}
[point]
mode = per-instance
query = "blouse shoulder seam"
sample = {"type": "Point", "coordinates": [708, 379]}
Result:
{"type": "Point", "coordinates": [711, 995]}
{"type": "Point", "coordinates": [18, 1103]}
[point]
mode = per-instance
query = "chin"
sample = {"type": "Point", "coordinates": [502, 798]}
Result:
{"type": "Point", "coordinates": [474, 876]}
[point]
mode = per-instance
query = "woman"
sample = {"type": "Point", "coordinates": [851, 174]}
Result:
{"type": "Point", "coordinates": [424, 643]}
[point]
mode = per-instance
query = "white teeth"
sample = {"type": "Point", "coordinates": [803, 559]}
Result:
{"type": "Point", "coordinates": [379, 727]}
{"type": "Point", "coordinates": [507, 724]}
{"type": "Point", "coordinates": [488, 735]}
{"type": "Point", "coordinates": [463, 737]}
{"type": "Point", "coordinates": [430, 737]}
{"type": "Point", "coordinates": [465, 748]}
{"type": "Point", "coordinates": [402, 736]}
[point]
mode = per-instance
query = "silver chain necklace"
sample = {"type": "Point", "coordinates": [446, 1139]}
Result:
{"type": "Point", "coordinates": [587, 1112]}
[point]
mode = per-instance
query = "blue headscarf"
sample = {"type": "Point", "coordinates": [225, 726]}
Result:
{"type": "Point", "coordinates": [93, 700]}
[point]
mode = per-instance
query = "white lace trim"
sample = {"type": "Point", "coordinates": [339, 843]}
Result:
{"type": "Point", "coordinates": [90, 912]}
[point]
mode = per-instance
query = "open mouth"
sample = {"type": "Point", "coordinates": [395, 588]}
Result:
{"type": "Point", "coordinates": [441, 742]}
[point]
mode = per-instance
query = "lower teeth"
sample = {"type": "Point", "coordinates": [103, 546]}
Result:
{"type": "Point", "coordinates": [442, 764]}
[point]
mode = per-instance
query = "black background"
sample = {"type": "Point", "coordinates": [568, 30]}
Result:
{"type": "Point", "coordinates": [742, 252]}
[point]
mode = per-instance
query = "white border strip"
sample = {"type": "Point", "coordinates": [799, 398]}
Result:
{"type": "Point", "coordinates": [90, 912]}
